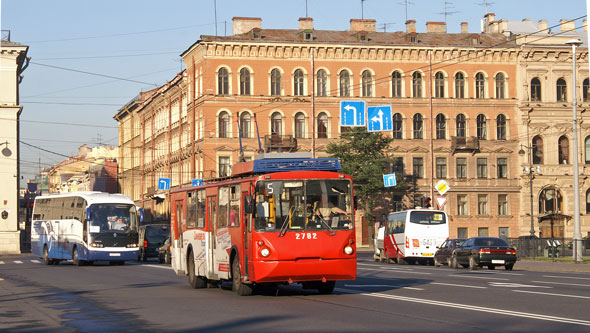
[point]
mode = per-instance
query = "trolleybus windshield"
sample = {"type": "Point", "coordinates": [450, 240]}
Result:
{"type": "Point", "coordinates": [303, 205]}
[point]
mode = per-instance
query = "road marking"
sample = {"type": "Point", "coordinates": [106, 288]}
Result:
{"type": "Point", "coordinates": [566, 277]}
{"type": "Point", "coordinates": [394, 270]}
{"type": "Point", "coordinates": [1, 262]}
{"type": "Point", "coordinates": [515, 285]}
{"type": "Point", "coordinates": [457, 285]}
{"type": "Point", "coordinates": [478, 277]}
{"type": "Point", "coordinates": [35, 261]}
{"type": "Point", "coordinates": [380, 286]}
{"type": "Point", "coordinates": [472, 308]}
{"type": "Point", "coordinates": [567, 284]}
{"type": "Point", "coordinates": [550, 294]}
{"type": "Point", "coordinates": [18, 262]}
{"type": "Point", "coordinates": [158, 266]}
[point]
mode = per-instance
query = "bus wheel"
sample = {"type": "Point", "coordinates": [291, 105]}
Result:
{"type": "Point", "coordinates": [46, 259]}
{"type": "Point", "coordinates": [194, 280]}
{"type": "Point", "coordinates": [76, 258]}
{"type": "Point", "coordinates": [240, 288]}
{"type": "Point", "coordinates": [326, 288]}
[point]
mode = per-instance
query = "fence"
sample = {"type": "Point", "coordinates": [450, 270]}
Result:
{"type": "Point", "coordinates": [545, 247]}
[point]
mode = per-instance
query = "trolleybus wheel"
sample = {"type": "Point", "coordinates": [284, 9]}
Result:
{"type": "Point", "coordinates": [194, 280]}
{"type": "Point", "coordinates": [327, 287]}
{"type": "Point", "coordinates": [240, 288]}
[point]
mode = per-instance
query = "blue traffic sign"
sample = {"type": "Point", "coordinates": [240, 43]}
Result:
{"type": "Point", "coordinates": [379, 118]}
{"type": "Point", "coordinates": [32, 187]}
{"type": "Point", "coordinates": [352, 113]}
{"type": "Point", "coordinates": [164, 184]}
{"type": "Point", "coordinates": [197, 182]}
{"type": "Point", "coordinates": [389, 180]}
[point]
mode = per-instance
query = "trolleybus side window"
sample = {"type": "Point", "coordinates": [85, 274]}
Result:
{"type": "Point", "coordinates": [201, 209]}
{"type": "Point", "coordinates": [223, 202]}
{"type": "Point", "coordinates": [191, 209]}
{"type": "Point", "coordinates": [234, 208]}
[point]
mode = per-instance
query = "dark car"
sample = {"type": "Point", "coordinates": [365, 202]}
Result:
{"type": "Point", "coordinates": [164, 252]}
{"type": "Point", "coordinates": [151, 237]}
{"type": "Point", "coordinates": [484, 251]}
{"type": "Point", "coordinates": [445, 251]}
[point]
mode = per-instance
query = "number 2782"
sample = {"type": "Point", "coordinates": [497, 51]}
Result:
{"type": "Point", "coordinates": [306, 235]}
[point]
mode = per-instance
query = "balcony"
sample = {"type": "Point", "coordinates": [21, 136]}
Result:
{"type": "Point", "coordinates": [279, 143]}
{"type": "Point", "coordinates": [464, 144]}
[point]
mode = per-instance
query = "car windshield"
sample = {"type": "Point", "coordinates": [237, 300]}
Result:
{"type": "Point", "coordinates": [490, 242]}
{"type": "Point", "coordinates": [156, 234]}
{"type": "Point", "coordinates": [295, 205]}
{"type": "Point", "coordinates": [108, 217]}
{"type": "Point", "coordinates": [422, 217]}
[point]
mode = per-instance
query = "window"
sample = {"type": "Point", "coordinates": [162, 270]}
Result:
{"type": "Point", "coordinates": [322, 83]}
{"type": "Point", "coordinates": [397, 127]}
{"type": "Point", "coordinates": [398, 165]}
{"type": "Point", "coordinates": [275, 82]}
{"type": "Point", "coordinates": [481, 127]}
{"type": "Point", "coordinates": [587, 150]}
{"type": "Point", "coordinates": [537, 150]}
{"type": "Point", "coordinates": [461, 126]}
{"type": "Point", "coordinates": [550, 201]}
{"type": "Point", "coordinates": [276, 124]}
{"type": "Point", "coordinates": [480, 85]}
{"type": "Point", "coordinates": [482, 167]}
{"type": "Point", "coordinates": [563, 150]}
{"type": "Point", "coordinates": [299, 125]}
{"type": "Point", "coordinates": [245, 123]}
{"type": "Point", "coordinates": [502, 167]}
{"type": "Point", "coordinates": [461, 167]}
{"type": "Point", "coordinates": [439, 85]}
{"type": "Point", "coordinates": [396, 84]}
{"type": "Point", "coordinates": [322, 126]}
{"type": "Point", "coordinates": [222, 82]}
{"type": "Point", "coordinates": [503, 233]}
{"type": "Point", "coordinates": [441, 167]}
{"type": "Point", "coordinates": [462, 233]}
{"type": "Point", "coordinates": [482, 232]}
{"type": "Point", "coordinates": [459, 85]}
{"type": "Point", "coordinates": [501, 127]}
{"type": "Point", "coordinates": [298, 83]}
{"type": "Point", "coordinates": [418, 167]}
{"type": "Point", "coordinates": [418, 126]}
{"type": "Point", "coordinates": [462, 204]}
{"type": "Point", "coordinates": [344, 78]}
{"type": "Point", "coordinates": [482, 204]}
{"type": "Point", "coordinates": [244, 81]}
{"type": "Point", "coordinates": [416, 85]}
{"type": "Point", "coordinates": [441, 126]}
{"type": "Point", "coordinates": [224, 166]}
{"type": "Point", "coordinates": [535, 89]}
{"type": "Point", "coordinates": [588, 201]}
{"type": "Point", "coordinates": [500, 86]}
{"type": "Point", "coordinates": [561, 90]}
{"type": "Point", "coordinates": [367, 84]}
{"type": "Point", "coordinates": [223, 122]}
{"type": "Point", "coordinates": [586, 90]}
{"type": "Point", "coordinates": [502, 204]}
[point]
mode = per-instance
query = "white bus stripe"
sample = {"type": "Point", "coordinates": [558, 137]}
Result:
{"type": "Point", "coordinates": [550, 294]}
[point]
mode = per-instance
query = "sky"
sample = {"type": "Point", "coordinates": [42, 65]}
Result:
{"type": "Point", "coordinates": [89, 58]}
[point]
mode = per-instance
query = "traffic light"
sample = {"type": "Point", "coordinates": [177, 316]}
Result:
{"type": "Point", "coordinates": [427, 202]}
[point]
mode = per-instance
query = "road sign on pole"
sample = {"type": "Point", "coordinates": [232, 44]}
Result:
{"type": "Point", "coordinates": [442, 187]}
{"type": "Point", "coordinates": [352, 113]}
{"type": "Point", "coordinates": [164, 184]}
{"type": "Point", "coordinates": [197, 182]}
{"type": "Point", "coordinates": [389, 180]}
{"type": "Point", "coordinates": [440, 201]}
{"type": "Point", "coordinates": [379, 118]}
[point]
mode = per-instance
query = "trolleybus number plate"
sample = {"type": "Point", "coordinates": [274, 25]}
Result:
{"type": "Point", "coordinates": [306, 235]}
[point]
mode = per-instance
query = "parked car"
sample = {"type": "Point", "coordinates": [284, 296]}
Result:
{"type": "Point", "coordinates": [164, 252]}
{"type": "Point", "coordinates": [445, 251]}
{"type": "Point", "coordinates": [151, 237]}
{"type": "Point", "coordinates": [484, 251]}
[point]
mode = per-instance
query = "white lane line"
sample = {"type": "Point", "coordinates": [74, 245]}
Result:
{"type": "Point", "coordinates": [472, 308]}
{"type": "Point", "coordinates": [388, 267]}
{"type": "Point", "coordinates": [550, 294]}
{"type": "Point", "coordinates": [1, 262]}
{"type": "Point", "coordinates": [478, 277]}
{"type": "Point", "coordinates": [380, 286]}
{"type": "Point", "coordinates": [158, 266]}
{"type": "Point", "coordinates": [18, 262]}
{"type": "Point", "coordinates": [566, 284]}
{"type": "Point", "coordinates": [566, 277]}
{"type": "Point", "coordinates": [393, 271]}
{"type": "Point", "coordinates": [35, 261]}
{"type": "Point", "coordinates": [515, 285]}
{"type": "Point", "coordinates": [457, 285]}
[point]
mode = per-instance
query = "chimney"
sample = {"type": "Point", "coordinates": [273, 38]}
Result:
{"type": "Point", "coordinates": [464, 27]}
{"type": "Point", "coordinates": [437, 27]}
{"type": "Point", "coordinates": [489, 18]}
{"type": "Point", "coordinates": [244, 24]}
{"type": "Point", "coordinates": [305, 23]}
{"type": "Point", "coordinates": [410, 26]}
{"type": "Point", "coordinates": [542, 26]}
{"type": "Point", "coordinates": [362, 25]}
{"type": "Point", "coordinates": [567, 25]}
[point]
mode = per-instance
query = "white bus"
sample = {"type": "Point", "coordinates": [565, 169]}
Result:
{"type": "Point", "coordinates": [85, 227]}
{"type": "Point", "coordinates": [411, 236]}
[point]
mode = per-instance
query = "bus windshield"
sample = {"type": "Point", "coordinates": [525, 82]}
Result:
{"type": "Point", "coordinates": [297, 205]}
{"type": "Point", "coordinates": [108, 217]}
{"type": "Point", "coordinates": [423, 217]}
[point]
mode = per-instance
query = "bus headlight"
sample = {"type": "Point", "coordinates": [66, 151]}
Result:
{"type": "Point", "coordinates": [348, 249]}
{"type": "Point", "coordinates": [132, 245]}
{"type": "Point", "coordinates": [96, 245]}
{"type": "Point", "coordinates": [265, 252]}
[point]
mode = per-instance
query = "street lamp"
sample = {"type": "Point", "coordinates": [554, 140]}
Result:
{"type": "Point", "coordinates": [577, 255]}
{"type": "Point", "coordinates": [530, 170]}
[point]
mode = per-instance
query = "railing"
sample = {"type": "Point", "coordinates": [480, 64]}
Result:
{"type": "Point", "coordinates": [547, 247]}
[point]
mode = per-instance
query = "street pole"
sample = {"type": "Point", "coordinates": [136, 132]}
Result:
{"type": "Point", "coordinates": [577, 255]}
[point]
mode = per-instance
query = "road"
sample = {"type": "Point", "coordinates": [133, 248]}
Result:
{"type": "Point", "coordinates": [385, 297]}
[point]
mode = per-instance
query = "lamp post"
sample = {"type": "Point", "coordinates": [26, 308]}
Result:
{"type": "Point", "coordinates": [530, 170]}
{"type": "Point", "coordinates": [577, 254]}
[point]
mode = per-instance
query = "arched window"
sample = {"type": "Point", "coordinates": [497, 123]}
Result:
{"type": "Point", "coordinates": [299, 125]}
{"type": "Point", "coordinates": [244, 81]}
{"type": "Point", "coordinates": [535, 89]}
{"type": "Point", "coordinates": [587, 150]}
{"type": "Point", "coordinates": [222, 81]}
{"type": "Point", "coordinates": [322, 83]}
{"type": "Point", "coordinates": [418, 126]}
{"type": "Point", "coordinates": [461, 125]}
{"type": "Point", "coordinates": [367, 84]}
{"type": "Point", "coordinates": [459, 85]}
{"type": "Point", "coordinates": [480, 85]}
{"type": "Point", "coordinates": [245, 124]}
{"type": "Point", "coordinates": [223, 122]}
{"type": "Point", "coordinates": [322, 126]}
{"type": "Point", "coordinates": [344, 78]}
{"type": "Point", "coordinates": [501, 127]}
{"type": "Point", "coordinates": [439, 85]}
{"type": "Point", "coordinates": [298, 83]}
{"type": "Point", "coordinates": [416, 85]}
{"type": "Point", "coordinates": [397, 126]}
{"type": "Point", "coordinates": [586, 90]}
{"type": "Point", "coordinates": [564, 149]}
{"type": "Point", "coordinates": [481, 127]}
{"type": "Point", "coordinates": [550, 201]}
{"type": "Point", "coordinates": [275, 82]}
{"type": "Point", "coordinates": [276, 124]}
{"type": "Point", "coordinates": [588, 201]}
{"type": "Point", "coordinates": [561, 90]}
{"type": "Point", "coordinates": [441, 126]}
{"type": "Point", "coordinates": [396, 84]}
{"type": "Point", "coordinates": [500, 86]}
{"type": "Point", "coordinates": [537, 145]}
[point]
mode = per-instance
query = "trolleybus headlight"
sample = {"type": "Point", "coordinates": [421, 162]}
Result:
{"type": "Point", "coordinates": [348, 249]}
{"type": "Point", "coordinates": [265, 252]}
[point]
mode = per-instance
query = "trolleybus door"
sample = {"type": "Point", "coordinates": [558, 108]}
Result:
{"type": "Point", "coordinates": [212, 221]}
{"type": "Point", "coordinates": [177, 261]}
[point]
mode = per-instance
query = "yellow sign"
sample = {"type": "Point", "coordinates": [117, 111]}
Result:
{"type": "Point", "coordinates": [442, 187]}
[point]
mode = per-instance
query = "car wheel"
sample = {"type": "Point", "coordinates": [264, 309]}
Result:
{"type": "Point", "coordinates": [491, 267]}
{"type": "Point", "coordinates": [168, 258]}
{"type": "Point", "coordinates": [449, 261]}
{"type": "Point", "coordinates": [472, 263]}
{"type": "Point", "coordinates": [240, 288]}
{"type": "Point", "coordinates": [437, 263]}
{"type": "Point", "coordinates": [194, 280]}
{"type": "Point", "coordinates": [509, 267]}
{"type": "Point", "coordinates": [454, 263]}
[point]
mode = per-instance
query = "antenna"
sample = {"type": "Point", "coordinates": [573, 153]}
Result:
{"type": "Point", "coordinates": [447, 12]}
{"type": "Point", "coordinates": [306, 9]}
{"type": "Point", "coordinates": [406, 3]}
{"type": "Point", "coordinates": [487, 4]}
{"type": "Point", "coordinates": [215, 12]}
{"type": "Point", "coordinates": [99, 139]}
{"type": "Point", "coordinates": [362, 9]}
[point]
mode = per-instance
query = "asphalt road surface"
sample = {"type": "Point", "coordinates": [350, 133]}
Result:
{"type": "Point", "coordinates": [384, 298]}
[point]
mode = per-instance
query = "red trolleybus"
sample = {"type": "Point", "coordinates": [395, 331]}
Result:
{"type": "Point", "coordinates": [280, 218]}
